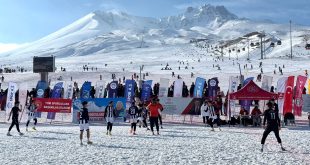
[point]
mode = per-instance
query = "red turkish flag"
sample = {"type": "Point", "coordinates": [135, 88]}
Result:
{"type": "Point", "coordinates": [300, 84]}
{"type": "Point", "coordinates": [288, 96]}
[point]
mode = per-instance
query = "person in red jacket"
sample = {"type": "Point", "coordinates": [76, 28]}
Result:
{"type": "Point", "coordinates": [154, 112]}
{"type": "Point", "coordinates": [255, 115]}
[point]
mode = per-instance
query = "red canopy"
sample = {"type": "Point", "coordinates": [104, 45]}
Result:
{"type": "Point", "coordinates": [252, 92]}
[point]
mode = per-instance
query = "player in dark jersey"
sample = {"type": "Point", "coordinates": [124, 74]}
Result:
{"type": "Point", "coordinates": [84, 123]}
{"type": "Point", "coordinates": [32, 109]}
{"type": "Point", "coordinates": [15, 110]}
{"type": "Point", "coordinates": [133, 114]}
{"type": "Point", "coordinates": [109, 115]}
{"type": "Point", "coordinates": [273, 124]}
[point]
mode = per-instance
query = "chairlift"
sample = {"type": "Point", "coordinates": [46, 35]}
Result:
{"type": "Point", "coordinates": [233, 49]}
{"type": "Point", "coordinates": [238, 50]}
{"type": "Point", "coordinates": [279, 43]}
{"type": "Point", "coordinates": [257, 44]}
{"type": "Point", "coordinates": [243, 49]}
{"type": "Point", "coordinates": [252, 44]}
{"type": "Point", "coordinates": [229, 51]}
{"type": "Point", "coordinates": [307, 46]}
{"type": "Point", "coordinates": [272, 44]}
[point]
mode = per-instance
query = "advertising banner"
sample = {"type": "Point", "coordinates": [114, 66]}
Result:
{"type": "Point", "coordinates": [10, 100]}
{"type": "Point", "coordinates": [113, 89]}
{"type": "Point", "coordinates": [181, 105]}
{"type": "Point", "coordinates": [163, 87]}
{"type": "Point", "coordinates": [178, 88]}
{"type": "Point", "coordinates": [300, 84]}
{"type": "Point", "coordinates": [146, 90]}
{"type": "Point", "coordinates": [129, 90]}
{"type": "Point", "coordinates": [97, 106]}
{"type": "Point", "coordinates": [199, 84]}
{"type": "Point", "coordinates": [54, 105]}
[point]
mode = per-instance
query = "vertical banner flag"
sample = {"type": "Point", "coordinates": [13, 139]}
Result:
{"type": "Point", "coordinates": [85, 91]}
{"type": "Point", "coordinates": [233, 85]}
{"type": "Point", "coordinates": [178, 88]}
{"type": "Point", "coordinates": [68, 90]}
{"type": "Point", "coordinates": [10, 96]}
{"type": "Point", "coordinates": [129, 90]}
{"type": "Point", "coordinates": [281, 84]}
{"type": "Point", "coordinates": [212, 88]}
{"type": "Point", "coordinates": [100, 89]}
{"type": "Point", "coordinates": [23, 94]}
{"type": "Point", "coordinates": [146, 90]}
{"type": "Point", "coordinates": [199, 84]}
{"type": "Point", "coordinates": [41, 87]}
{"type": "Point", "coordinates": [266, 83]}
{"type": "Point", "coordinates": [22, 97]}
{"type": "Point", "coordinates": [247, 103]}
{"type": "Point", "coordinates": [288, 96]}
{"type": "Point", "coordinates": [300, 84]}
{"type": "Point", "coordinates": [163, 87]}
{"type": "Point", "coordinates": [113, 89]}
{"type": "Point", "coordinates": [57, 90]}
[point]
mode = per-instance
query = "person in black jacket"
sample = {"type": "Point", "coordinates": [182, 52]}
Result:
{"type": "Point", "coordinates": [15, 110]}
{"type": "Point", "coordinates": [83, 123]}
{"type": "Point", "coordinates": [273, 124]}
{"type": "Point", "coordinates": [109, 115]}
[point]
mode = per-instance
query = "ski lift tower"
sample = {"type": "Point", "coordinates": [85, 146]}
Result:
{"type": "Point", "coordinates": [261, 36]}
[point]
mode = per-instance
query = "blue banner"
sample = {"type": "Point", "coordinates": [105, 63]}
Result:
{"type": "Point", "coordinates": [41, 87]}
{"type": "Point", "coordinates": [56, 93]}
{"type": "Point", "coordinates": [247, 103]}
{"type": "Point", "coordinates": [199, 84]}
{"type": "Point", "coordinates": [85, 90]}
{"type": "Point", "coordinates": [130, 90]}
{"type": "Point", "coordinates": [146, 90]}
{"type": "Point", "coordinates": [97, 106]}
{"type": "Point", "coordinates": [113, 89]}
{"type": "Point", "coordinates": [212, 88]}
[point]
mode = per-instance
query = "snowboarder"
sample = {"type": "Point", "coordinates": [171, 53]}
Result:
{"type": "Point", "coordinates": [15, 110]}
{"type": "Point", "coordinates": [32, 109]}
{"type": "Point", "coordinates": [83, 123]}
{"type": "Point", "coordinates": [109, 115]}
{"type": "Point", "coordinates": [273, 124]}
{"type": "Point", "coordinates": [133, 113]}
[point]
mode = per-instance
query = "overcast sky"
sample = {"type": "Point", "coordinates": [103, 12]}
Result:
{"type": "Point", "coordinates": [23, 21]}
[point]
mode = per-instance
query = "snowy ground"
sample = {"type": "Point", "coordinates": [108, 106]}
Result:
{"type": "Point", "coordinates": [177, 144]}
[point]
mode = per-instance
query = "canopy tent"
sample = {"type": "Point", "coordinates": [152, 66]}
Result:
{"type": "Point", "coordinates": [252, 92]}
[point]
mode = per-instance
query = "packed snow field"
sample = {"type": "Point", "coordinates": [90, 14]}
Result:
{"type": "Point", "coordinates": [177, 144]}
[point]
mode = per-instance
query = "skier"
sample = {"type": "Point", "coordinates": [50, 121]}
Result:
{"type": "Point", "coordinates": [154, 113]}
{"type": "Point", "coordinates": [133, 114]}
{"type": "Point", "coordinates": [83, 123]}
{"type": "Point", "coordinates": [273, 124]}
{"type": "Point", "coordinates": [32, 109]}
{"type": "Point", "coordinates": [15, 110]}
{"type": "Point", "coordinates": [109, 115]}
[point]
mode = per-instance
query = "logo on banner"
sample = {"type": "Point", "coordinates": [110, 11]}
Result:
{"type": "Point", "coordinates": [40, 92]}
{"type": "Point", "coordinates": [113, 85]}
{"type": "Point", "coordinates": [298, 102]}
{"type": "Point", "coordinates": [252, 89]}
{"type": "Point", "coordinates": [213, 83]}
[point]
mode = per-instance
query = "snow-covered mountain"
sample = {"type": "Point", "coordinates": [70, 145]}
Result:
{"type": "Point", "coordinates": [105, 31]}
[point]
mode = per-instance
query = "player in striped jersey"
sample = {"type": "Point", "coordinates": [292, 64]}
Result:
{"type": "Point", "coordinates": [109, 115]}
{"type": "Point", "coordinates": [32, 109]}
{"type": "Point", "coordinates": [133, 113]}
{"type": "Point", "coordinates": [83, 123]}
{"type": "Point", "coordinates": [213, 118]}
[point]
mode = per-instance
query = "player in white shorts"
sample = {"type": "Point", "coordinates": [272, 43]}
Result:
{"type": "Point", "coordinates": [133, 113]}
{"type": "Point", "coordinates": [83, 123]}
{"type": "Point", "coordinates": [32, 109]}
{"type": "Point", "coordinates": [109, 115]}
